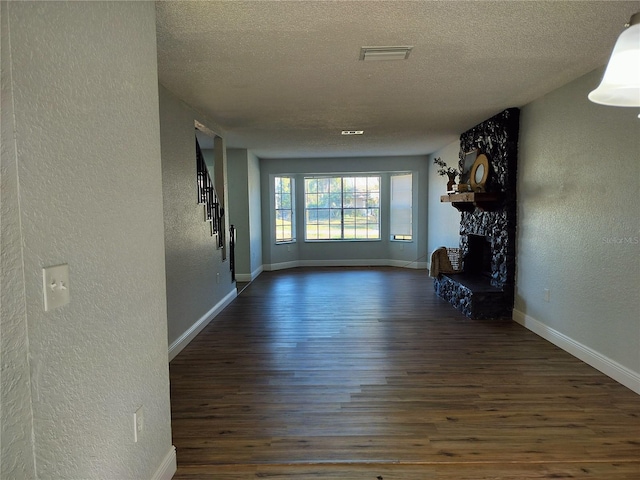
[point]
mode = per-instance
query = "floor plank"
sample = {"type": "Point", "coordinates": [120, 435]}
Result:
{"type": "Point", "coordinates": [365, 373]}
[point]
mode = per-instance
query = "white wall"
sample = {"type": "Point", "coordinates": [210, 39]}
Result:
{"type": "Point", "coordinates": [384, 252]}
{"type": "Point", "coordinates": [82, 185]}
{"type": "Point", "coordinates": [444, 220]}
{"type": "Point", "coordinates": [579, 227]}
{"type": "Point", "coordinates": [198, 280]}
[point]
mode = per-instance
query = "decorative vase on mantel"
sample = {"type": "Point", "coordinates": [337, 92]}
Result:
{"type": "Point", "coordinates": [451, 182]}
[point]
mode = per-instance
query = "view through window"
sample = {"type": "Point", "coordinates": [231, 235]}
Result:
{"type": "Point", "coordinates": [342, 208]}
{"type": "Point", "coordinates": [284, 209]}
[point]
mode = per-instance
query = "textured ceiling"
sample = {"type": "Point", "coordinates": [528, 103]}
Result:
{"type": "Point", "coordinates": [283, 77]}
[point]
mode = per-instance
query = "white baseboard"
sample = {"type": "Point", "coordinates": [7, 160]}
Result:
{"type": "Point", "coordinates": [176, 347]}
{"type": "Point", "coordinates": [168, 467]}
{"type": "Point", "coordinates": [346, 263]}
{"type": "Point", "coordinates": [256, 273]}
{"type": "Point", "coordinates": [272, 267]}
{"type": "Point", "coordinates": [611, 368]}
{"type": "Point", "coordinates": [249, 277]}
{"type": "Point", "coordinates": [405, 264]}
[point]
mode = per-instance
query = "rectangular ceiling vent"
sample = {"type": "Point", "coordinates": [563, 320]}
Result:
{"type": "Point", "coordinates": [352, 132]}
{"type": "Point", "coordinates": [371, 54]}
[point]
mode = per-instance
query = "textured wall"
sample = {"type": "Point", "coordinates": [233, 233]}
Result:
{"type": "Point", "coordinates": [84, 82]}
{"type": "Point", "coordinates": [578, 220]}
{"type": "Point", "coordinates": [191, 254]}
{"type": "Point", "coordinates": [239, 213]}
{"type": "Point", "coordinates": [244, 210]}
{"type": "Point", "coordinates": [444, 220]}
{"type": "Point", "coordinates": [255, 213]}
{"type": "Point", "coordinates": [17, 460]}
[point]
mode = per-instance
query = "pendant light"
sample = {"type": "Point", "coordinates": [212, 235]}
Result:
{"type": "Point", "coordinates": [620, 86]}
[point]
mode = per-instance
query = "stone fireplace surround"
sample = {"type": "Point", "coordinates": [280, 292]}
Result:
{"type": "Point", "coordinates": [485, 289]}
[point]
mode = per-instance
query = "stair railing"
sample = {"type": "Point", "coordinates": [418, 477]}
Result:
{"type": "Point", "coordinates": [207, 196]}
{"type": "Point", "coordinates": [232, 252]}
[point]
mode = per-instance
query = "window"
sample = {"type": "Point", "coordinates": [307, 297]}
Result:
{"type": "Point", "coordinates": [401, 221]}
{"type": "Point", "coordinates": [342, 208]}
{"type": "Point", "coordinates": [284, 209]}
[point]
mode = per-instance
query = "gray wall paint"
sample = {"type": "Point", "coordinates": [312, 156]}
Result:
{"type": "Point", "coordinates": [255, 214]}
{"type": "Point", "coordinates": [220, 182]}
{"type": "Point", "coordinates": [16, 415]}
{"type": "Point", "coordinates": [444, 220]}
{"type": "Point", "coordinates": [191, 254]}
{"type": "Point", "coordinates": [578, 225]}
{"type": "Point", "coordinates": [83, 187]}
{"type": "Point", "coordinates": [239, 211]}
{"type": "Point", "coordinates": [346, 253]}
{"type": "Point", "coordinates": [244, 211]}
{"type": "Point", "coordinates": [209, 160]}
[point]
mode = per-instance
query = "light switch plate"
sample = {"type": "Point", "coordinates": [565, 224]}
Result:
{"type": "Point", "coordinates": [55, 286]}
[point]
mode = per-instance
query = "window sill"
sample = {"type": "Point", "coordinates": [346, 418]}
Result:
{"type": "Point", "coordinates": [346, 240]}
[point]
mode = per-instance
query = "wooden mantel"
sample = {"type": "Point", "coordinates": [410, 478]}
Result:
{"type": "Point", "coordinates": [468, 201]}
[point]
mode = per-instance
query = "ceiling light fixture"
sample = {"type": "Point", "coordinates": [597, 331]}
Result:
{"type": "Point", "coordinates": [369, 54]}
{"type": "Point", "coordinates": [352, 132]}
{"type": "Point", "coordinates": [620, 86]}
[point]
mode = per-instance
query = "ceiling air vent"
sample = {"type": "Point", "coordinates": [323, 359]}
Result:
{"type": "Point", "coordinates": [369, 54]}
{"type": "Point", "coordinates": [352, 132]}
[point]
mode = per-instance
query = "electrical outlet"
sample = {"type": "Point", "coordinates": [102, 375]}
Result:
{"type": "Point", "coordinates": [547, 295]}
{"type": "Point", "coordinates": [55, 286]}
{"type": "Point", "coordinates": [218, 277]}
{"type": "Point", "coordinates": [138, 424]}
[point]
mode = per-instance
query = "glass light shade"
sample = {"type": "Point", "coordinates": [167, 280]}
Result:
{"type": "Point", "coordinates": [620, 86]}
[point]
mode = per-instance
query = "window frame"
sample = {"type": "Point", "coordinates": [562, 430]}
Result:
{"type": "Point", "coordinates": [353, 190]}
{"type": "Point", "coordinates": [400, 237]}
{"type": "Point", "coordinates": [291, 209]}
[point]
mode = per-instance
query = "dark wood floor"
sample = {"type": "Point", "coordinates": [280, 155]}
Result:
{"type": "Point", "coordinates": [366, 374]}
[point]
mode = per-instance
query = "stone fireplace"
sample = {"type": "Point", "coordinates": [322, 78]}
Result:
{"type": "Point", "coordinates": [485, 288]}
